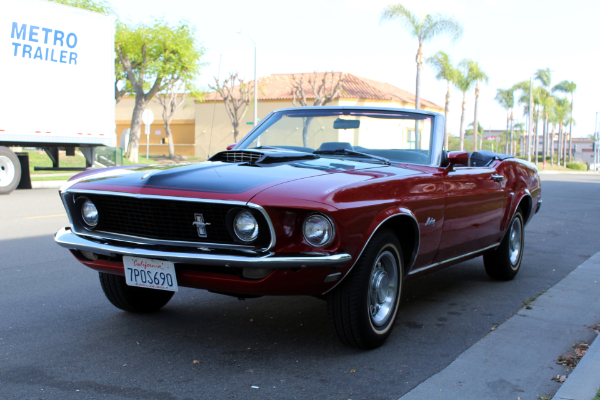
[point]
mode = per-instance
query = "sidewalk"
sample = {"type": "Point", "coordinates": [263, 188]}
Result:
{"type": "Point", "coordinates": [518, 359]}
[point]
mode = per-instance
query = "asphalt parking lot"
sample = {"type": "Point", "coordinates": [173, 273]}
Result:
{"type": "Point", "coordinates": [61, 338]}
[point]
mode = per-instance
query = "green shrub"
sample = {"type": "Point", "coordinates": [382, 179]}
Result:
{"type": "Point", "coordinates": [579, 166]}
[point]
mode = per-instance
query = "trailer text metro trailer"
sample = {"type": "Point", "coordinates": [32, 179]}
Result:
{"type": "Point", "coordinates": [58, 79]}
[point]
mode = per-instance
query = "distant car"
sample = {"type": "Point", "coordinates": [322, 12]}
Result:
{"type": "Point", "coordinates": [343, 203]}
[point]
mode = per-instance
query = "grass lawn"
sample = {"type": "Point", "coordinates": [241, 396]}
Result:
{"type": "Point", "coordinates": [51, 177]}
{"type": "Point", "coordinates": [39, 158]}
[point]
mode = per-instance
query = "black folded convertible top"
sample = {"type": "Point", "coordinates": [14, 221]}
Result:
{"type": "Point", "coordinates": [482, 158]}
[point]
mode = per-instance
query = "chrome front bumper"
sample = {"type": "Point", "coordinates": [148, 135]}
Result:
{"type": "Point", "coordinates": [69, 240]}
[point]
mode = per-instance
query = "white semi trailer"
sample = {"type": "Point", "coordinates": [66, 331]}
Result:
{"type": "Point", "coordinates": [57, 70]}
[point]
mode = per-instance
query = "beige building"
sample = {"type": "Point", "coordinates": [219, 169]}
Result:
{"type": "Point", "coordinates": [193, 122]}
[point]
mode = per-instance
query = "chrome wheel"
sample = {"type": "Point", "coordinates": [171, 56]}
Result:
{"type": "Point", "coordinates": [383, 288]}
{"type": "Point", "coordinates": [7, 171]}
{"type": "Point", "coordinates": [515, 241]}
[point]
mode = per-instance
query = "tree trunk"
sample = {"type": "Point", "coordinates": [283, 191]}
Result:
{"type": "Point", "coordinates": [512, 125]}
{"type": "Point", "coordinates": [565, 148]}
{"type": "Point", "coordinates": [571, 155]}
{"type": "Point", "coordinates": [536, 143]}
{"type": "Point", "coordinates": [551, 143]}
{"type": "Point", "coordinates": [462, 120]}
{"type": "Point", "coordinates": [136, 129]}
{"type": "Point", "coordinates": [170, 138]}
{"type": "Point", "coordinates": [475, 123]}
{"type": "Point", "coordinates": [559, 157]}
{"type": "Point", "coordinates": [446, 110]}
{"type": "Point", "coordinates": [545, 140]}
{"type": "Point", "coordinates": [507, 127]}
{"type": "Point", "coordinates": [419, 59]}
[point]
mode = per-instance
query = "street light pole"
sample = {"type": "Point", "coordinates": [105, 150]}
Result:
{"type": "Point", "coordinates": [255, 82]}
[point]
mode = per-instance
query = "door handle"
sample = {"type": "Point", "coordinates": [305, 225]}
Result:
{"type": "Point", "coordinates": [498, 178]}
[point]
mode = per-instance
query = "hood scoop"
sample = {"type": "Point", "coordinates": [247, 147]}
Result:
{"type": "Point", "coordinates": [262, 157]}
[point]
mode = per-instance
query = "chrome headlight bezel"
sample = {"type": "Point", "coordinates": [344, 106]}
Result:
{"type": "Point", "coordinates": [255, 230]}
{"type": "Point", "coordinates": [328, 221]}
{"type": "Point", "coordinates": [93, 208]}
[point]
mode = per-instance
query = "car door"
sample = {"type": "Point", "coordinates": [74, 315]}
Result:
{"type": "Point", "coordinates": [475, 202]}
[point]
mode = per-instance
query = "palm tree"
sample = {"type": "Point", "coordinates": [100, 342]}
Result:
{"type": "Point", "coordinates": [547, 102]}
{"type": "Point", "coordinates": [445, 71]}
{"type": "Point", "coordinates": [537, 94]}
{"type": "Point", "coordinates": [424, 29]}
{"type": "Point", "coordinates": [463, 83]}
{"type": "Point", "coordinates": [476, 75]}
{"type": "Point", "coordinates": [562, 111]}
{"type": "Point", "coordinates": [506, 98]}
{"type": "Point", "coordinates": [544, 76]}
{"type": "Point", "coordinates": [567, 87]}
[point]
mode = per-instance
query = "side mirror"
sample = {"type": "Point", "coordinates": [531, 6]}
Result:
{"type": "Point", "coordinates": [231, 146]}
{"type": "Point", "coordinates": [458, 158]}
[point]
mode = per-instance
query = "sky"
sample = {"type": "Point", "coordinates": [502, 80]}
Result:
{"type": "Point", "coordinates": [510, 39]}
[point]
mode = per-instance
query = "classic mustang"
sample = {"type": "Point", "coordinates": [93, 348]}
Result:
{"type": "Point", "coordinates": [344, 203]}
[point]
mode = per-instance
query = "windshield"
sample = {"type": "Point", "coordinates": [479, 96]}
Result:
{"type": "Point", "coordinates": [395, 136]}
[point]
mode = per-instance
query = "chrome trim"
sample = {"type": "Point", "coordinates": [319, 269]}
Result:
{"type": "Point", "coordinates": [143, 240]}
{"type": "Point", "coordinates": [332, 227]}
{"type": "Point", "coordinates": [413, 257]}
{"type": "Point", "coordinates": [437, 142]}
{"type": "Point", "coordinates": [453, 259]}
{"type": "Point", "coordinates": [148, 241]}
{"type": "Point", "coordinates": [64, 237]}
{"type": "Point", "coordinates": [498, 178]}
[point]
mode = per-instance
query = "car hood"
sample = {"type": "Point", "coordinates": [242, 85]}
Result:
{"type": "Point", "coordinates": [210, 180]}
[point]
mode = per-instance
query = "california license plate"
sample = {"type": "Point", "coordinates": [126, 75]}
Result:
{"type": "Point", "coordinates": [152, 274]}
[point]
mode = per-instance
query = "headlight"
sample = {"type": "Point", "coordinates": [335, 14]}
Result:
{"type": "Point", "coordinates": [89, 212]}
{"type": "Point", "coordinates": [318, 230]}
{"type": "Point", "coordinates": [245, 226]}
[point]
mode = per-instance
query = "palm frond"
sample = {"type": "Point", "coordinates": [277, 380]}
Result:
{"type": "Point", "coordinates": [441, 63]}
{"type": "Point", "coordinates": [476, 73]}
{"type": "Point", "coordinates": [404, 15]}
{"type": "Point", "coordinates": [506, 98]}
{"type": "Point", "coordinates": [438, 24]}
{"type": "Point", "coordinates": [544, 76]}
{"type": "Point", "coordinates": [565, 86]}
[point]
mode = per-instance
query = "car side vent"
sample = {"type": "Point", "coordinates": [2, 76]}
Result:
{"type": "Point", "coordinates": [237, 156]}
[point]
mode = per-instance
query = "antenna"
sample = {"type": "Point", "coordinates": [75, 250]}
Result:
{"type": "Point", "coordinates": [214, 108]}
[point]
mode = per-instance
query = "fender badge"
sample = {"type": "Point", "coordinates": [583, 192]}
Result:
{"type": "Point", "coordinates": [430, 222]}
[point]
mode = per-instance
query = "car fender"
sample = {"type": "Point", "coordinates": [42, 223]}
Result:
{"type": "Point", "coordinates": [378, 223]}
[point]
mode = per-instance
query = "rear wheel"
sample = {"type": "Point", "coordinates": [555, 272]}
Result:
{"type": "Point", "coordinates": [132, 298]}
{"type": "Point", "coordinates": [363, 308]}
{"type": "Point", "coordinates": [10, 170]}
{"type": "Point", "coordinates": [504, 263]}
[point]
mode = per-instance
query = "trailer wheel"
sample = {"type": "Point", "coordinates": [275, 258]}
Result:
{"type": "Point", "coordinates": [10, 170]}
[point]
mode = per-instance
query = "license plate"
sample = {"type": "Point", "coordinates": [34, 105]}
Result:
{"type": "Point", "coordinates": [152, 274]}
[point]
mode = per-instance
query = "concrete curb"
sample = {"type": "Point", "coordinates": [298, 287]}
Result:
{"type": "Point", "coordinates": [47, 184]}
{"type": "Point", "coordinates": [518, 359]}
{"type": "Point", "coordinates": [569, 172]}
{"type": "Point", "coordinates": [584, 381]}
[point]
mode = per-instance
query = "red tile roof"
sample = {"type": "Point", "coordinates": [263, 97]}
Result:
{"type": "Point", "coordinates": [279, 87]}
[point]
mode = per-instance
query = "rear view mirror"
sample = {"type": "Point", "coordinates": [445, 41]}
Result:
{"type": "Point", "coordinates": [346, 124]}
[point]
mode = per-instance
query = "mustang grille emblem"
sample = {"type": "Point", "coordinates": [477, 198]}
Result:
{"type": "Point", "coordinates": [430, 222]}
{"type": "Point", "coordinates": [200, 224]}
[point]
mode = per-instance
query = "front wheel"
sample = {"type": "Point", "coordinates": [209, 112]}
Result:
{"type": "Point", "coordinates": [363, 308]}
{"type": "Point", "coordinates": [504, 263]}
{"type": "Point", "coordinates": [132, 298]}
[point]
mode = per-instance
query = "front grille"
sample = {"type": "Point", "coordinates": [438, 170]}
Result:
{"type": "Point", "coordinates": [237, 156]}
{"type": "Point", "coordinates": [163, 219]}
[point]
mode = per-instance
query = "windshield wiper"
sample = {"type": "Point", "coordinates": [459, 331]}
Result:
{"type": "Point", "coordinates": [353, 153]}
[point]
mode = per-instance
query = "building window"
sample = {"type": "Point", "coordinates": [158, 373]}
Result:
{"type": "Point", "coordinates": [412, 142]}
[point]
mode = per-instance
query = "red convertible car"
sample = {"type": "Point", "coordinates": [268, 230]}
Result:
{"type": "Point", "coordinates": [344, 203]}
